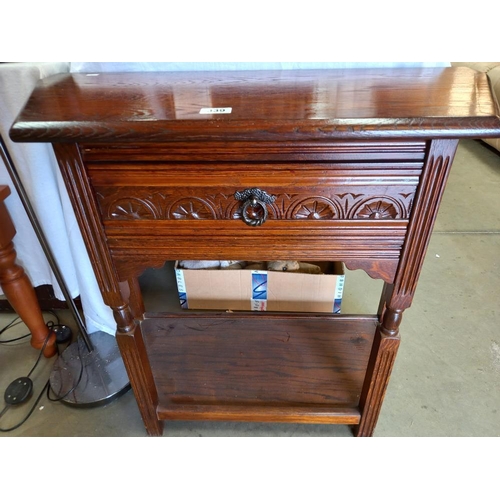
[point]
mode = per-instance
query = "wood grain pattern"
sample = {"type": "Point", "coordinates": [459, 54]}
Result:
{"type": "Point", "coordinates": [371, 153]}
{"type": "Point", "coordinates": [310, 362]}
{"type": "Point", "coordinates": [357, 161]}
{"type": "Point", "coordinates": [379, 371]}
{"type": "Point", "coordinates": [283, 105]}
{"type": "Point", "coordinates": [305, 414]}
{"type": "Point", "coordinates": [372, 246]}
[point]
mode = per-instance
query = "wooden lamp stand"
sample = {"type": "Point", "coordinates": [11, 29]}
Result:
{"type": "Point", "coordinates": [17, 286]}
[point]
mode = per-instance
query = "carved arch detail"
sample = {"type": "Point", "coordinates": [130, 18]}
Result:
{"type": "Point", "coordinates": [315, 208]}
{"type": "Point", "coordinates": [192, 208]}
{"type": "Point", "coordinates": [132, 208]}
{"type": "Point", "coordinates": [379, 207]}
{"type": "Point", "coordinates": [146, 204]}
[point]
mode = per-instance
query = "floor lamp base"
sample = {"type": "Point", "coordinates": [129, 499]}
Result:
{"type": "Point", "coordinates": [87, 379]}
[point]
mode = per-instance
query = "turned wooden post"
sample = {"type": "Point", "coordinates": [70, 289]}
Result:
{"type": "Point", "coordinates": [398, 296]}
{"type": "Point", "coordinates": [384, 350]}
{"type": "Point", "coordinates": [116, 294]}
{"type": "Point", "coordinates": [17, 286]}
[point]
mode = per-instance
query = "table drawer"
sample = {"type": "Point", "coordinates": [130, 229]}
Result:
{"type": "Point", "coordinates": [318, 212]}
{"type": "Point", "coordinates": [347, 202]}
{"type": "Point", "coordinates": [194, 193]}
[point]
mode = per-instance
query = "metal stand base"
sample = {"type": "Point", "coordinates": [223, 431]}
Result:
{"type": "Point", "coordinates": [88, 379]}
{"type": "Point", "coordinates": [88, 372]}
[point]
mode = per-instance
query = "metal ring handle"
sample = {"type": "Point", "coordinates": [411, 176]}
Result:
{"type": "Point", "coordinates": [254, 211]}
{"type": "Point", "coordinates": [250, 212]}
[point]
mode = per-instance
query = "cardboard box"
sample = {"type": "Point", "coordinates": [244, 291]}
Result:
{"type": "Point", "coordinates": [248, 290]}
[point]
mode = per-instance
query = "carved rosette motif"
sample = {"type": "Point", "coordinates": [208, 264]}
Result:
{"type": "Point", "coordinates": [315, 208]}
{"type": "Point", "coordinates": [191, 208]}
{"type": "Point", "coordinates": [333, 206]}
{"type": "Point", "coordinates": [379, 208]}
{"type": "Point", "coordinates": [132, 209]}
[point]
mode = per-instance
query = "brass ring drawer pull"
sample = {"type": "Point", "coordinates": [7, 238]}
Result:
{"type": "Point", "coordinates": [254, 211]}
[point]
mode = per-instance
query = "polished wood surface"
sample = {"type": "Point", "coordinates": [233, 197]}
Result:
{"type": "Point", "coordinates": [18, 288]}
{"type": "Point", "coordinates": [259, 360]}
{"type": "Point", "coordinates": [266, 105]}
{"type": "Point", "coordinates": [354, 164]}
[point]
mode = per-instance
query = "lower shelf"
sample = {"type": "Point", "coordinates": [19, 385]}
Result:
{"type": "Point", "coordinates": [259, 367]}
{"type": "Point", "coordinates": [254, 413]}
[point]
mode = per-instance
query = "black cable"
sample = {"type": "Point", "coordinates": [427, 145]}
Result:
{"type": "Point", "coordinates": [39, 396]}
{"type": "Point", "coordinates": [50, 325]}
{"type": "Point", "coordinates": [12, 324]}
{"type": "Point", "coordinates": [60, 398]}
{"type": "Point", "coordinates": [40, 354]}
{"type": "Point", "coordinates": [16, 339]}
{"type": "Point", "coordinates": [45, 387]}
{"type": "Point", "coordinates": [51, 311]}
{"type": "Point", "coordinates": [29, 413]}
{"type": "Point", "coordinates": [5, 328]}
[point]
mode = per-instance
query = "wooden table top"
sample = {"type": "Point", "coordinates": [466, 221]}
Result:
{"type": "Point", "coordinates": [265, 105]}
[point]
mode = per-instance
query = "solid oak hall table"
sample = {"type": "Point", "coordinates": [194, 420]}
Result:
{"type": "Point", "coordinates": [330, 165]}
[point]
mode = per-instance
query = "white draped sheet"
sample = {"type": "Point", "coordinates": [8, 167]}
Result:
{"type": "Point", "coordinates": [42, 180]}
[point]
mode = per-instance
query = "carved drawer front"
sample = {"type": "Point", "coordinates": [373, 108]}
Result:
{"type": "Point", "coordinates": [345, 202]}
{"type": "Point", "coordinates": [195, 194]}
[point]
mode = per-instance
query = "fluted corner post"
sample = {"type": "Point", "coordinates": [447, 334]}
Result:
{"type": "Point", "coordinates": [383, 355]}
{"type": "Point", "coordinates": [131, 343]}
{"type": "Point", "coordinates": [398, 295]}
{"type": "Point", "coordinates": [380, 364]}
{"type": "Point", "coordinates": [115, 294]}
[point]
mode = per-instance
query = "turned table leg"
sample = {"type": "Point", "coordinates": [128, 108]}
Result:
{"type": "Point", "coordinates": [17, 286]}
{"type": "Point", "coordinates": [379, 369]}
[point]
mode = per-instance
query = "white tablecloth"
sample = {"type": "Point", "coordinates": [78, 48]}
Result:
{"type": "Point", "coordinates": [37, 167]}
{"type": "Point", "coordinates": [98, 67]}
